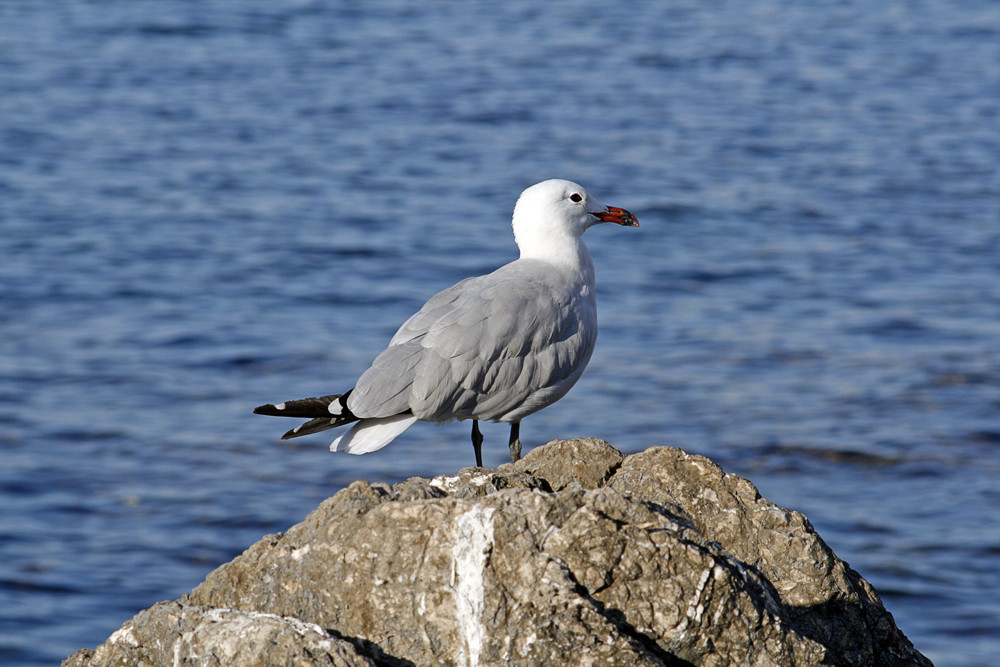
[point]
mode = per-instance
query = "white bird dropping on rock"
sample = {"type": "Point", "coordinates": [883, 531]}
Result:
{"type": "Point", "coordinates": [498, 347]}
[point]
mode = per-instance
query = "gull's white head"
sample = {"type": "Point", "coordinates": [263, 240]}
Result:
{"type": "Point", "coordinates": [550, 213]}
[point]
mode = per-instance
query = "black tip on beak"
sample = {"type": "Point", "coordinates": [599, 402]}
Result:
{"type": "Point", "coordinates": [617, 215]}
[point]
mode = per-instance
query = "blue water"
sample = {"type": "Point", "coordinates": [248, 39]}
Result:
{"type": "Point", "coordinates": [209, 205]}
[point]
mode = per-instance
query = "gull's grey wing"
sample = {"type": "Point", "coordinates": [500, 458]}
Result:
{"type": "Point", "coordinates": [384, 389]}
{"type": "Point", "coordinates": [496, 347]}
{"type": "Point", "coordinates": [436, 307]}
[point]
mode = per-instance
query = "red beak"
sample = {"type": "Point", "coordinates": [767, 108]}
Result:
{"type": "Point", "coordinates": [619, 215]}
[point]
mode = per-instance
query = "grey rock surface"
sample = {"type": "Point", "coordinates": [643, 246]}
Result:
{"type": "Point", "coordinates": [574, 555]}
{"type": "Point", "coordinates": [169, 633]}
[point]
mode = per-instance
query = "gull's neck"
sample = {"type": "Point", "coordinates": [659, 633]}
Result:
{"type": "Point", "coordinates": [567, 252]}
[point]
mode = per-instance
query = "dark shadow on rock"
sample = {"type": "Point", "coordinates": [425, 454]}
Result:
{"type": "Point", "coordinates": [373, 651]}
{"type": "Point", "coordinates": [645, 642]}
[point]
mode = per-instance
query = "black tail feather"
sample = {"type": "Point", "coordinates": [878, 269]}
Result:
{"type": "Point", "coordinates": [316, 409]}
{"type": "Point", "coordinates": [303, 407]}
{"type": "Point", "coordinates": [314, 426]}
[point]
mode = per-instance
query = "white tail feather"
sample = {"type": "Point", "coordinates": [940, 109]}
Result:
{"type": "Point", "coordinates": [369, 435]}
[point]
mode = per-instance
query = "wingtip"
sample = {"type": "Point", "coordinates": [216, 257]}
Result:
{"type": "Point", "coordinates": [295, 432]}
{"type": "Point", "coordinates": [272, 410]}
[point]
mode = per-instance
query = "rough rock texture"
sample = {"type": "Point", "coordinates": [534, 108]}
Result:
{"type": "Point", "coordinates": [574, 555]}
{"type": "Point", "coordinates": [169, 633]}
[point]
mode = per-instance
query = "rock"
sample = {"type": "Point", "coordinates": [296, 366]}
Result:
{"type": "Point", "coordinates": [820, 596]}
{"type": "Point", "coordinates": [169, 631]}
{"type": "Point", "coordinates": [587, 461]}
{"type": "Point", "coordinates": [573, 555]}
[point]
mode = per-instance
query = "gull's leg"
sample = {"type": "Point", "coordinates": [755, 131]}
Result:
{"type": "Point", "coordinates": [515, 441]}
{"type": "Point", "coordinates": [477, 442]}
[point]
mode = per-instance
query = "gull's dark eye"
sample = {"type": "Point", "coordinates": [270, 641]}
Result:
{"type": "Point", "coordinates": [575, 197]}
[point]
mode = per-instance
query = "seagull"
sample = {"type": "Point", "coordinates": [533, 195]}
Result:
{"type": "Point", "coordinates": [496, 347]}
